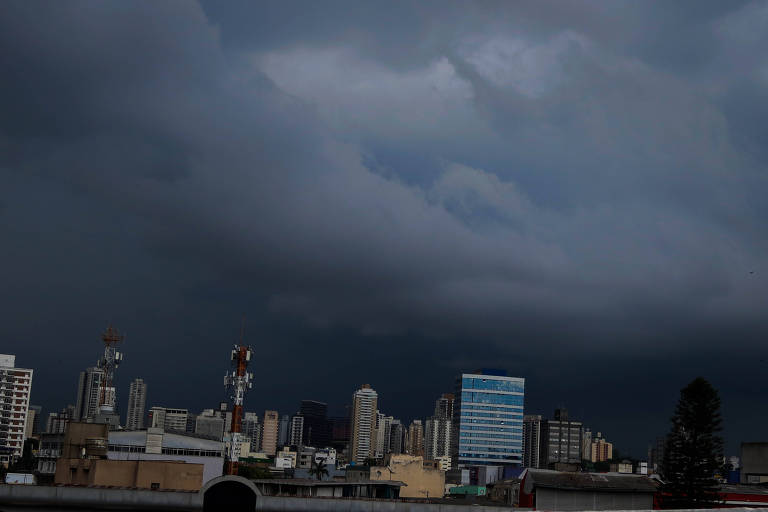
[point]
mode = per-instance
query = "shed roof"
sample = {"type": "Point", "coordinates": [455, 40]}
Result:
{"type": "Point", "coordinates": [600, 482]}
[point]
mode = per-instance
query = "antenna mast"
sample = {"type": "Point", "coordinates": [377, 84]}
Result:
{"type": "Point", "coordinates": [109, 363]}
{"type": "Point", "coordinates": [238, 381]}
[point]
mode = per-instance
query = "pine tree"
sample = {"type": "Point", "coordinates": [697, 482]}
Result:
{"type": "Point", "coordinates": [694, 449]}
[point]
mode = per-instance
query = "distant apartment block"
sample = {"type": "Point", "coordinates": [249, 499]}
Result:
{"type": "Point", "coordinates": [488, 418]}
{"type": "Point", "coordinates": [168, 419]}
{"type": "Point", "coordinates": [269, 431]}
{"type": "Point", "coordinates": [416, 438]}
{"type": "Point", "coordinates": [561, 440]}
{"type": "Point", "coordinates": [15, 390]}
{"type": "Point", "coordinates": [88, 393]}
{"type": "Point", "coordinates": [439, 428]}
{"type": "Point", "coordinates": [137, 405]}
{"type": "Point", "coordinates": [531, 440]}
{"type": "Point", "coordinates": [601, 450]}
{"type": "Point", "coordinates": [296, 432]}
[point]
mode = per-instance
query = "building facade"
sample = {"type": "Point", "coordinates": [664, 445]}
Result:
{"type": "Point", "coordinates": [383, 430]}
{"type": "Point", "coordinates": [15, 390]}
{"type": "Point", "coordinates": [317, 431]}
{"type": "Point", "coordinates": [168, 419]}
{"type": "Point", "coordinates": [137, 405]}
{"type": "Point", "coordinates": [600, 449]}
{"type": "Point", "coordinates": [88, 393]}
{"type": "Point", "coordinates": [251, 429]}
{"type": "Point", "coordinates": [488, 417]}
{"type": "Point", "coordinates": [438, 429]}
{"type": "Point", "coordinates": [561, 440]}
{"type": "Point", "coordinates": [296, 432]}
{"type": "Point", "coordinates": [269, 432]}
{"type": "Point", "coordinates": [283, 432]}
{"type": "Point", "coordinates": [396, 437]}
{"type": "Point", "coordinates": [364, 407]}
{"type": "Point", "coordinates": [416, 438]}
{"type": "Point", "coordinates": [531, 440]}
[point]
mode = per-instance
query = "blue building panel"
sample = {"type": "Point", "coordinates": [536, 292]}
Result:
{"type": "Point", "coordinates": [489, 416]}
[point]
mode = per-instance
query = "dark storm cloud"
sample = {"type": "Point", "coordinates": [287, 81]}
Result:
{"type": "Point", "coordinates": [579, 179]}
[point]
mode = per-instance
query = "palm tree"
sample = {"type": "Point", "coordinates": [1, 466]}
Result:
{"type": "Point", "coordinates": [318, 469]}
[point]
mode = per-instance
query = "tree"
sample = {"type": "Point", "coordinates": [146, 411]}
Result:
{"type": "Point", "coordinates": [318, 469]}
{"type": "Point", "coordinates": [694, 449]}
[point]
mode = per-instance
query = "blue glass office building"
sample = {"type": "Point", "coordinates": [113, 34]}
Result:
{"type": "Point", "coordinates": [488, 419]}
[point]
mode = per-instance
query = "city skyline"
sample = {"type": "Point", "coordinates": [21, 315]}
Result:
{"type": "Point", "coordinates": [312, 404]}
{"type": "Point", "coordinates": [574, 192]}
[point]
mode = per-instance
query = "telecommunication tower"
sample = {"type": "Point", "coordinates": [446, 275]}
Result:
{"type": "Point", "coordinates": [109, 363]}
{"type": "Point", "coordinates": [238, 381]}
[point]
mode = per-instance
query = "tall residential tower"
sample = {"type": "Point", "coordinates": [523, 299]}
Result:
{"type": "Point", "coordinates": [137, 405]}
{"type": "Point", "coordinates": [363, 441]}
{"type": "Point", "coordinates": [15, 389]}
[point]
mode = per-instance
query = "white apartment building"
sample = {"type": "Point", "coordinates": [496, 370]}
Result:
{"type": "Point", "coordinates": [15, 389]}
{"type": "Point", "coordinates": [364, 407]}
{"type": "Point", "coordinates": [137, 405]}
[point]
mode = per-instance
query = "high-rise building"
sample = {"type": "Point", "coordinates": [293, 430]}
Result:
{"type": "Point", "coordinates": [296, 432]}
{"type": "Point", "coordinates": [251, 429]}
{"type": "Point", "coordinates": [88, 393]}
{"type": "Point", "coordinates": [416, 438]}
{"type": "Point", "coordinates": [137, 405]}
{"type": "Point", "coordinates": [601, 450]}
{"type": "Point", "coordinates": [168, 419]}
{"type": "Point", "coordinates": [488, 419]}
{"type": "Point", "coordinates": [396, 437]}
{"type": "Point", "coordinates": [15, 390]}
{"type": "Point", "coordinates": [531, 440]}
{"type": "Point", "coordinates": [33, 421]}
{"type": "Point", "coordinates": [284, 430]}
{"type": "Point", "coordinates": [364, 407]}
{"type": "Point", "coordinates": [383, 427]}
{"type": "Point", "coordinates": [561, 440]}
{"type": "Point", "coordinates": [316, 426]}
{"type": "Point", "coordinates": [656, 454]}
{"type": "Point", "coordinates": [438, 429]}
{"type": "Point", "coordinates": [586, 443]}
{"type": "Point", "coordinates": [269, 432]}
{"type": "Point", "coordinates": [341, 432]}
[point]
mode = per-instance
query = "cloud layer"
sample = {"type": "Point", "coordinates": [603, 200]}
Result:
{"type": "Point", "coordinates": [585, 180]}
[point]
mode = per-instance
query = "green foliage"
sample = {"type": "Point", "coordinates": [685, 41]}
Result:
{"type": "Point", "coordinates": [318, 469]}
{"type": "Point", "coordinates": [253, 472]}
{"type": "Point", "coordinates": [694, 449]}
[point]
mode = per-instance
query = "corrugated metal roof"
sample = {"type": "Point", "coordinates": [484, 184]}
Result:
{"type": "Point", "coordinates": [613, 482]}
{"type": "Point", "coordinates": [170, 440]}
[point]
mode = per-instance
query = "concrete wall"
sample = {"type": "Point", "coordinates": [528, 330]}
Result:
{"type": "Point", "coordinates": [754, 463]}
{"type": "Point", "coordinates": [212, 466]}
{"type": "Point", "coordinates": [143, 474]}
{"type": "Point", "coordinates": [568, 500]}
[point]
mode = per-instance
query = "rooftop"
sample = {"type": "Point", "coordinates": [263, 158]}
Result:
{"type": "Point", "coordinates": [615, 482]}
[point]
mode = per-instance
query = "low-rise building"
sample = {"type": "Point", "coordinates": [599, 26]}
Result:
{"type": "Point", "coordinates": [420, 481]}
{"type": "Point", "coordinates": [88, 458]}
{"type": "Point", "coordinates": [154, 444]}
{"type": "Point", "coordinates": [309, 488]}
{"type": "Point", "coordinates": [754, 463]}
{"type": "Point", "coordinates": [554, 490]}
{"type": "Point", "coordinates": [624, 467]}
{"type": "Point", "coordinates": [138, 474]}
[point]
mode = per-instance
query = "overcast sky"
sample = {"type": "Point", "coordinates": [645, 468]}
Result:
{"type": "Point", "coordinates": [574, 191]}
